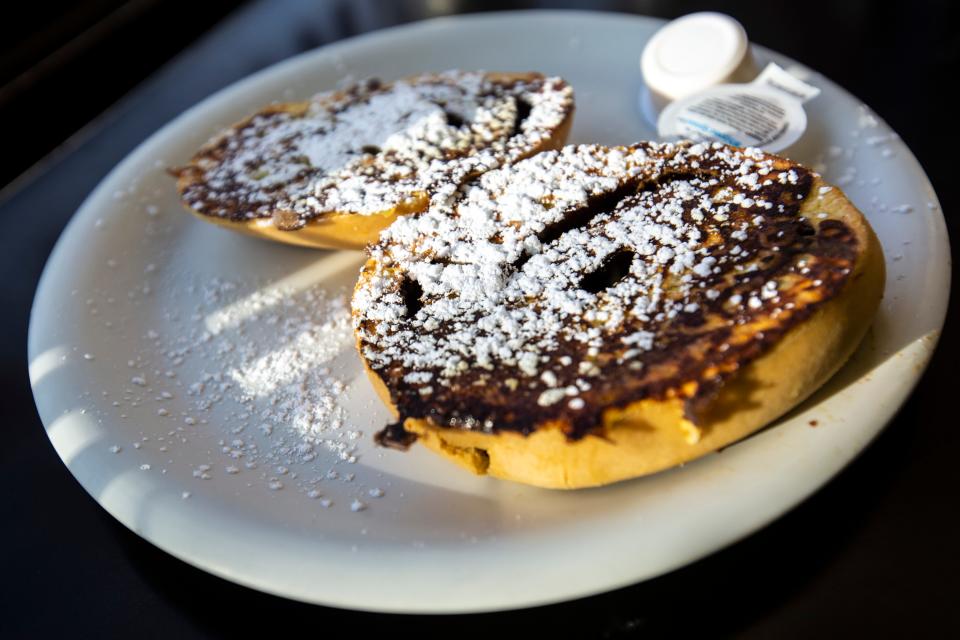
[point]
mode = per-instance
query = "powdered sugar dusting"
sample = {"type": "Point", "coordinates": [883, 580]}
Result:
{"type": "Point", "coordinates": [550, 277]}
{"type": "Point", "coordinates": [261, 372]}
{"type": "Point", "coordinates": [373, 147]}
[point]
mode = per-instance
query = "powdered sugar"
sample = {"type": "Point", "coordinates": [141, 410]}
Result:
{"type": "Point", "coordinates": [373, 147]}
{"type": "Point", "coordinates": [256, 370]}
{"type": "Point", "coordinates": [503, 278]}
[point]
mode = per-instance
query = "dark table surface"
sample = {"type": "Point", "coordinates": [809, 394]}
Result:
{"type": "Point", "coordinates": [874, 552]}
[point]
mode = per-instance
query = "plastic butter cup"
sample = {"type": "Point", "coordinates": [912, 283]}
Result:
{"type": "Point", "coordinates": [690, 54]}
{"type": "Point", "coordinates": [766, 113]}
{"type": "Point", "coordinates": [698, 74]}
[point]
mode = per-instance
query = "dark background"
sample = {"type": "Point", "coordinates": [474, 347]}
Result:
{"type": "Point", "coordinates": [83, 82]}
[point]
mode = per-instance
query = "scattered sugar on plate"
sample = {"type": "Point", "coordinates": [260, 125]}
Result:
{"type": "Point", "coordinates": [253, 366]}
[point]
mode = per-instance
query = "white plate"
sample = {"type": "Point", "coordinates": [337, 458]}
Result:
{"type": "Point", "coordinates": [439, 540]}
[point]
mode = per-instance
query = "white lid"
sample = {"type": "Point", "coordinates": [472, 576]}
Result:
{"type": "Point", "coordinates": [692, 53]}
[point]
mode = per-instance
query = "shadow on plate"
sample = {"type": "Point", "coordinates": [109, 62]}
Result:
{"type": "Point", "coordinates": [720, 595]}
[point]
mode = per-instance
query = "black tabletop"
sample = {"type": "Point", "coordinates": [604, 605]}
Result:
{"type": "Point", "coordinates": [874, 552]}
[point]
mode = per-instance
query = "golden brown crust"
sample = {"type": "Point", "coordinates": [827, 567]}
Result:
{"type": "Point", "coordinates": [337, 230]}
{"type": "Point", "coordinates": [654, 434]}
{"type": "Point", "coordinates": [341, 229]}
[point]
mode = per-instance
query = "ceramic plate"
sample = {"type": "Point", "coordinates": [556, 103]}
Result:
{"type": "Point", "coordinates": [203, 386]}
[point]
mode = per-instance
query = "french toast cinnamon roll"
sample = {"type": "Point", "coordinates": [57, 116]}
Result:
{"type": "Point", "coordinates": [594, 314]}
{"type": "Point", "coordinates": [335, 170]}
